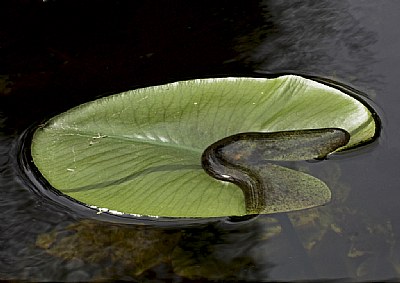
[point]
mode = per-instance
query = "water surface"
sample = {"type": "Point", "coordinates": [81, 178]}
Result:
{"type": "Point", "coordinates": [55, 55]}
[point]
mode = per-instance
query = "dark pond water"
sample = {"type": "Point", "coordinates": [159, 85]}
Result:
{"type": "Point", "coordinates": [57, 54]}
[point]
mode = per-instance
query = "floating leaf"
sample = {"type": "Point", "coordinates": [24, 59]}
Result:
{"type": "Point", "coordinates": [139, 151]}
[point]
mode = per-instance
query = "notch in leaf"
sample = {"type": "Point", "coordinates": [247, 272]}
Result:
{"type": "Point", "coordinates": [243, 159]}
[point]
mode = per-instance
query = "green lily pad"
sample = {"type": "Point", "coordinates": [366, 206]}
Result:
{"type": "Point", "coordinates": [139, 152]}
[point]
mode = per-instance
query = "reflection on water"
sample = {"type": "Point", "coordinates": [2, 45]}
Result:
{"type": "Point", "coordinates": [322, 38]}
{"type": "Point", "coordinates": [355, 236]}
